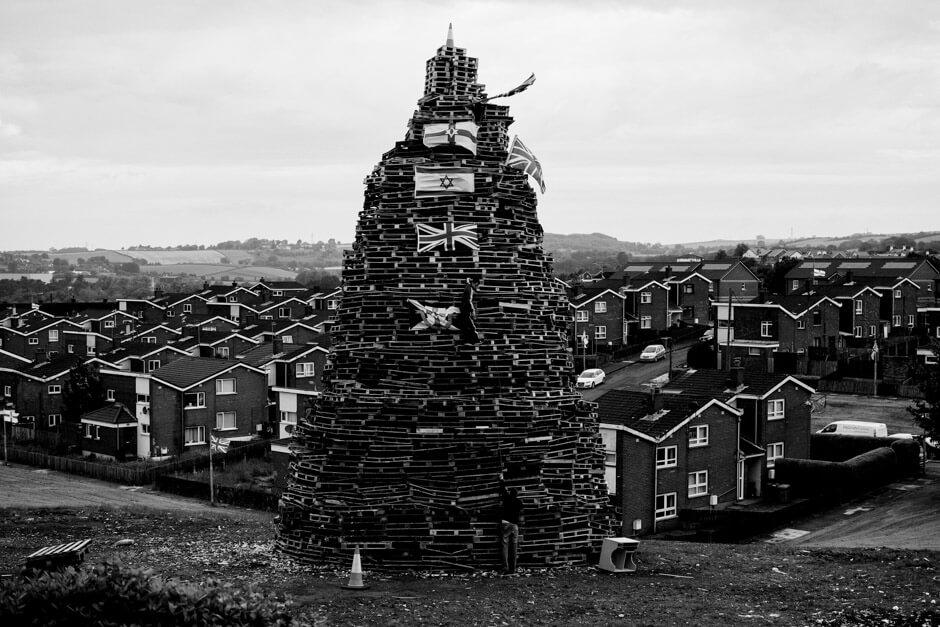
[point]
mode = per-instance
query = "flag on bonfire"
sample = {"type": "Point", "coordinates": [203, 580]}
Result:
{"type": "Point", "coordinates": [521, 158]}
{"type": "Point", "coordinates": [463, 134]}
{"type": "Point", "coordinates": [217, 444]}
{"type": "Point", "coordinates": [437, 181]}
{"type": "Point", "coordinates": [447, 236]}
{"type": "Point", "coordinates": [515, 90]}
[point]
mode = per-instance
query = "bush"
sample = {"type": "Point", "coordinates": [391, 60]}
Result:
{"type": "Point", "coordinates": [113, 594]}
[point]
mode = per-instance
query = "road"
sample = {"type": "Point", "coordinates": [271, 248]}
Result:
{"type": "Point", "coordinates": [634, 374]}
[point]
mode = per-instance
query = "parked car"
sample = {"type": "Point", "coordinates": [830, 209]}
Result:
{"type": "Point", "coordinates": [921, 441]}
{"type": "Point", "coordinates": [653, 352]}
{"type": "Point", "coordinates": [857, 427]}
{"type": "Point", "coordinates": [708, 336]}
{"type": "Point", "coordinates": [592, 377]}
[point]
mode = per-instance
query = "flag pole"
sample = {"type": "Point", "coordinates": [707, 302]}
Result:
{"type": "Point", "coordinates": [211, 481]}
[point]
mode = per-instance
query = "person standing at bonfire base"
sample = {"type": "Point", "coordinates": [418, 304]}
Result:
{"type": "Point", "coordinates": [509, 527]}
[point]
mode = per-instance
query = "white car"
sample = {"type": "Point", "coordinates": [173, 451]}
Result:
{"type": "Point", "coordinates": [592, 377]}
{"type": "Point", "coordinates": [653, 352]}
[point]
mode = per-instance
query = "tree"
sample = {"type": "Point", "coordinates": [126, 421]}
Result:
{"type": "Point", "coordinates": [83, 392]}
{"type": "Point", "coordinates": [926, 412]}
{"type": "Point", "coordinates": [740, 249]}
{"type": "Point", "coordinates": [721, 254]}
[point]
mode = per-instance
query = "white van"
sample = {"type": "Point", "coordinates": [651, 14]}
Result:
{"type": "Point", "coordinates": [857, 427]}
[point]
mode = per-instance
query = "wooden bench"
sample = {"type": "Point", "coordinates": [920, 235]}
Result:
{"type": "Point", "coordinates": [57, 556]}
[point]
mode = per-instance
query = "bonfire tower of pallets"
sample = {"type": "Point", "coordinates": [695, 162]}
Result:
{"type": "Point", "coordinates": [450, 373]}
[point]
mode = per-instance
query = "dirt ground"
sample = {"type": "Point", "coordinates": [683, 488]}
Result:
{"type": "Point", "coordinates": [890, 410]}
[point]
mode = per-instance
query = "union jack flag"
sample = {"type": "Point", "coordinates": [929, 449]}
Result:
{"type": "Point", "coordinates": [448, 236]}
{"type": "Point", "coordinates": [515, 90]}
{"type": "Point", "coordinates": [521, 158]}
{"type": "Point", "coordinates": [217, 444]}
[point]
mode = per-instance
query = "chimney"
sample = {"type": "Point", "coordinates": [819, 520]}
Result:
{"type": "Point", "coordinates": [276, 344]}
{"type": "Point", "coordinates": [849, 277]}
{"type": "Point", "coordinates": [205, 285]}
{"type": "Point", "coordinates": [808, 285]}
{"type": "Point", "coordinates": [736, 377]}
{"type": "Point", "coordinates": [656, 399]}
{"type": "Point", "coordinates": [668, 270]}
{"type": "Point", "coordinates": [626, 280]}
{"type": "Point", "coordinates": [157, 293]}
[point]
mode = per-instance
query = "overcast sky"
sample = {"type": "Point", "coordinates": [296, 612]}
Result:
{"type": "Point", "coordinates": [131, 122]}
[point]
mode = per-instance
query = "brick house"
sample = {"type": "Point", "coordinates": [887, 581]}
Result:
{"type": "Point", "coordinates": [109, 432]}
{"type": "Point", "coordinates": [689, 291]}
{"type": "Point", "coordinates": [860, 315]}
{"type": "Point", "coordinates": [183, 305]}
{"type": "Point", "coordinates": [140, 357]}
{"type": "Point", "coordinates": [40, 401]}
{"type": "Point", "coordinates": [665, 454]}
{"type": "Point", "coordinates": [922, 271]}
{"type": "Point", "coordinates": [155, 333]}
{"type": "Point", "coordinates": [276, 289]}
{"type": "Point", "coordinates": [143, 310]}
{"type": "Point", "coordinates": [194, 396]}
{"type": "Point", "coordinates": [38, 338]}
{"type": "Point", "coordinates": [87, 343]}
{"type": "Point", "coordinates": [598, 312]}
{"type": "Point", "coordinates": [647, 301]}
{"type": "Point", "coordinates": [729, 276]}
{"type": "Point", "coordinates": [290, 308]}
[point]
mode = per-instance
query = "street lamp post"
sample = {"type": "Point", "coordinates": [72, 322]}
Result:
{"type": "Point", "coordinates": [668, 340]}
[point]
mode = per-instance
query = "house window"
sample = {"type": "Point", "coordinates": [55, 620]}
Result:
{"type": "Point", "coordinates": [858, 306]}
{"type": "Point", "coordinates": [170, 313]}
{"type": "Point", "coordinates": [287, 339]}
{"type": "Point", "coordinates": [688, 288]}
{"type": "Point", "coordinates": [774, 452]}
{"type": "Point", "coordinates": [817, 318]}
{"type": "Point", "coordinates": [666, 456]}
{"type": "Point", "coordinates": [665, 506]}
{"type": "Point", "coordinates": [743, 287]}
{"type": "Point", "coordinates": [897, 293]}
{"type": "Point", "coordinates": [55, 389]}
{"type": "Point", "coordinates": [795, 285]}
{"type": "Point", "coordinates": [646, 298]}
{"type": "Point", "coordinates": [754, 351]}
{"type": "Point", "coordinates": [801, 323]}
{"type": "Point", "coordinates": [194, 435]}
{"type": "Point", "coordinates": [90, 351]}
{"type": "Point", "coordinates": [222, 352]}
{"type": "Point", "coordinates": [8, 389]}
{"type": "Point", "coordinates": [109, 324]}
{"type": "Point", "coordinates": [910, 320]}
{"type": "Point", "coordinates": [53, 335]}
{"type": "Point", "coordinates": [55, 419]}
{"type": "Point", "coordinates": [306, 369]}
{"type": "Point", "coordinates": [187, 308]}
{"type": "Point", "coordinates": [278, 292]}
{"type": "Point", "coordinates": [332, 304]}
{"type": "Point", "coordinates": [896, 321]}
{"type": "Point", "coordinates": [225, 386]}
{"type": "Point", "coordinates": [209, 328]}
{"type": "Point", "coordinates": [600, 332]}
{"type": "Point", "coordinates": [92, 431]}
{"type": "Point", "coordinates": [145, 428]}
{"type": "Point", "coordinates": [776, 409]}
{"type": "Point", "coordinates": [233, 299]}
{"type": "Point", "coordinates": [289, 417]}
{"type": "Point", "coordinates": [871, 331]}
{"type": "Point", "coordinates": [143, 398]}
{"type": "Point", "coordinates": [150, 339]}
{"type": "Point", "coordinates": [109, 395]}
{"type": "Point", "coordinates": [600, 306]}
{"type": "Point", "coordinates": [581, 315]}
{"type": "Point", "coordinates": [765, 328]}
{"type": "Point", "coordinates": [698, 483]}
{"type": "Point", "coordinates": [153, 364]}
{"type": "Point", "coordinates": [225, 421]}
{"type": "Point", "coordinates": [283, 312]}
{"type": "Point", "coordinates": [858, 331]}
{"type": "Point", "coordinates": [646, 322]}
{"type": "Point", "coordinates": [698, 436]}
{"type": "Point", "coordinates": [192, 400]}
{"type": "Point", "coordinates": [70, 349]}
{"type": "Point", "coordinates": [33, 341]}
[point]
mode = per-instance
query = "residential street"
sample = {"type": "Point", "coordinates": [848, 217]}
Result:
{"type": "Point", "coordinates": [631, 375]}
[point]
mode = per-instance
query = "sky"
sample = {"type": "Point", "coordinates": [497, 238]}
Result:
{"type": "Point", "coordinates": [126, 122]}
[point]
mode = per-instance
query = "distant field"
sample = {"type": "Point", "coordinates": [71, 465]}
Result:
{"type": "Point", "coordinates": [157, 257]}
{"type": "Point", "coordinates": [113, 256]}
{"type": "Point", "coordinates": [216, 270]}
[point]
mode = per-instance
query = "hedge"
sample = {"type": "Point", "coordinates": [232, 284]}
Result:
{"type": "Point", "coordinates": [838, 448]}
{"type": "Point", "coordinates": [838, 480]}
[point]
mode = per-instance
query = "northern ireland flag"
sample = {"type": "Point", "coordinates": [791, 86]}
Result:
{"type": "Point", "coordinates": [439, 181]}
{"type": "Point", "coordinates": [463, 134]}
{"type": "Point", "coordinates": [521, 158]}
{"type": "Point", "coordinates": [446, 236]}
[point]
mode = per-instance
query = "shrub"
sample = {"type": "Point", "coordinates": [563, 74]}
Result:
{"type": "Point", "coordinates": [113, 594]}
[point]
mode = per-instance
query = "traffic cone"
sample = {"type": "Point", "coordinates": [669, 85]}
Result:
{"type": "Point", "coordinates": [355, 575]}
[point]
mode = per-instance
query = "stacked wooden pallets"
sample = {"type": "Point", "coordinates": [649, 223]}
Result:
{"type": "Point", "coordinates": [403, 453]}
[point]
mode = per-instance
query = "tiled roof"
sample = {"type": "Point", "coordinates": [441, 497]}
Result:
{"type": "Point", "coordinates": [632, 409]}
{"type": "Point", "coordinates": [708, 384]}
{"type": "Point", "coordinates": [115, 414]}
{"type": "Point", "coordinates": [188, 371]}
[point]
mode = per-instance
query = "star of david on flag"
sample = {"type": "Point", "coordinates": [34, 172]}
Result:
{"type": "Point", "coordinates": [521, 158]}
{"type": "Point", "coordinates": [447, 236]}
{"type": "Point", "coordinates": [437, 181]}
{"type": "Point", "coordinates": [463, 134]}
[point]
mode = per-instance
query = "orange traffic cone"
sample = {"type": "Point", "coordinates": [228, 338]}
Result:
{"type": "Point", "coordinates": [355, 575]}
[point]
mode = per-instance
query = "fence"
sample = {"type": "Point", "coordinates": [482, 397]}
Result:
{"type": "Point", "coordinates": [132, 475]}
{"type": "Point", "coordinates": [240, 497]}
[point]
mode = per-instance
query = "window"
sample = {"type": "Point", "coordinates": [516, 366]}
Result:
{"type": "Point", "coordinates": [143, 398]}
{"type": "Point", "coordinates": [646, 322]}
{"type": "Point", "coordinates": [55, 389]}
{"type": "Point", "coordinates": [581, 315]}
{"type": "Point", "coordinates": [145, 428]}
{"type": "Point", "coordinates": [289, 417]}
{"type": "Point", "coordinates": [194, 435]}
{"type": "Point", "coordinates": [910, 320]}
{"type": "Point", "coordinates": [149, 339]}
{"type": "Point", "coordinates": [109, 324]}
{"type": "Point", "coordinates": [225, 421]}
{"type": "Point", "coordinates": [287, 339]}
{"type": "Point", "coordinates": [70, 349]}
{"type": "Point", "coordinates": [743, 287]}
{"type": "Point", "coordinates": [766, 327]}
{"type": "Point", "coordinates": [688, 288]}
{"type": "Point", "coordinates": [55, 419]}
{"type": "Point", "coordinates": [871, 331]}
{"type": "Point", "coordinates": [698, 483]}
{"type": "Point", "coordinates": [153, 364]}
{"type": "Point", "coordinates": [754, 351]}
{"type": "Point", "coordinates": [225, 386]}
{"type": "Point", "coordinates": [187, 308]}
{"type": "Point", "coordinates": [8, 389]}
{"type": "Point", "coordinates": [222, 352]}
{"type": "Point", "coordinates": [53, 335]}
{"type": "Point", "coordinates": [795, 285]}
{"type": "Point", "coordinates": [170, 313]}
{"type": "Point", "coordinates": [698, 436]}
{"type": "Point", "coordinates": [306, 369]}
{"type": "Point", "coordinates": [109, 395]}
{"type": "Point", "coordinates": [896, 321]}
{"type": "Point", "coordinates": [774, 452]}
{"type": "Point", "coordinates": [92, 431]}
{"type": "Point", "coordinates": [665, 506]}
{"type": "Point", "coordinates": [278, 292]}
{"type": "Point", "coordinates": [801, 323]}
{"type": "Point", "coordinates": [600, 306]}
{"type": "Point", "coordinates": [666, 456]}
{"type": "Point", "coordinates": [192, 400]}
{"type": "Point", "coordinates": [817, 318]}
{"type": "Point", "coordinates": [600, 332]}
{"type": "Point", "coordinates": [897, 293]}
{"type": "Point", "coordinates": [858, 306]}
{"type": "Point", "coordinates": [776, 408]}
{"type": "Point", "coordinates": [233, 299]}
{"type": "Point", "coordinates": [332, 304]}
{"type": "Point", "coordinates": [858, 331]}
{"type": "Point", "coordinates": [33, 341]}
{"type": "Point", "coordinates": [646, 298]}
{"type": "Point", "coordinates": [90, 351]}
{"type": "Point", "coordinates": [283, 312]}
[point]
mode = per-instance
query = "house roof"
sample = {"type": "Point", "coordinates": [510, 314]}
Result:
{"type": "Point", "coordinates": [861, 267]}
{"type": "Point", "coordinates": [187, 372]}
{"type": "Point", "coordinates": [114, 414]}
{"type": "Point", "coordinates": [717, 384]}
{"type": "Point", "coordinates": [631, 410]}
